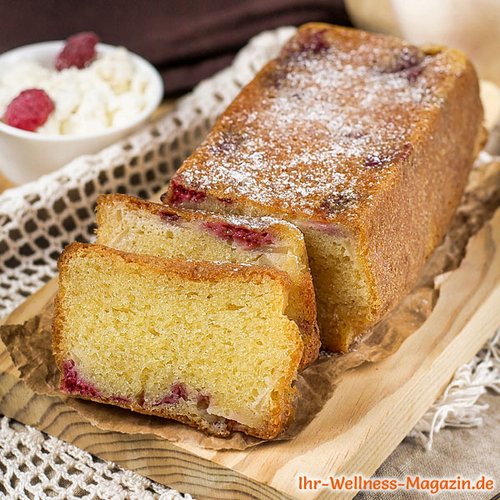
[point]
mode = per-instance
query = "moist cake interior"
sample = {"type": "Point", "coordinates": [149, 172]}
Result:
{"type": "Point", "coordinates": [133, 335]}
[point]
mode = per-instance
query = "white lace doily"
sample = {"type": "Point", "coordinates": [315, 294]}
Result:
{"type": "Point", "coordinates": [36, 466]}
{"type": "Point", "coordinates": [38, 219]}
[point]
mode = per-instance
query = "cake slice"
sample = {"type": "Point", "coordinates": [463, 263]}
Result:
{"type": "Point", "coordinates": [202, 343]}
{"type": "Point", "coordinates": [365, 143]}
{"type": "Point", "coordinates": [137, 226]}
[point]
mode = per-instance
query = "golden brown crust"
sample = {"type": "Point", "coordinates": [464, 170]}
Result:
{"type": "Point", "coordinates": [360, 131]}
{"type": "Point", "coordinates": [410, 217]}
{"type": "Point", "coordinates": [308, 326]}
{"type": "Point", "coordinates": [194, 271]}
{"type": "Point", "coordinates": [276, 227]}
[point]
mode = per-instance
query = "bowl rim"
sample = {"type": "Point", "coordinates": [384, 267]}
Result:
{"type": "Point", "coordinates": [151, 72]}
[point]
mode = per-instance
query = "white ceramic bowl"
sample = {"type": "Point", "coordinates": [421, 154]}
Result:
{"type": "Point", "coordinates": [25, 156]}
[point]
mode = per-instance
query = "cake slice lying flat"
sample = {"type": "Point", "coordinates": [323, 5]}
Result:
{"type": "Point", "coordinates": [202, 343]}
{"type": "Point", "coordinates": [365, 143]}
{"type": "Point", "coordinates": [143, 227]}
{"type": "Point", "coordinates": [206, 344]}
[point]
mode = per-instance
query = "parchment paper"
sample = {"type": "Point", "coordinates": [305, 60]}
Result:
{"type": "Point", "coordinates": [30, 344]}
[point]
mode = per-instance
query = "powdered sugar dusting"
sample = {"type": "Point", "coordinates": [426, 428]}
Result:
{"type": "Point", "coordinates": [320, 131]}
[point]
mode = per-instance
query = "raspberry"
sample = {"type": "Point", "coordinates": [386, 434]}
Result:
{"type": "Point", "coordinates": [243, 236]}
{"type": "Point", "coordinates": [73, 383]}
{"type": "Point", "coordinates": [29, 110]}
{"type": "Point", "coordinates": [78, 52]}
{"type": "Point", "coordinates": [177, 391]}
{"type": "Point", "coordinates": [181, 194]}
{"type": "Point", "coordinates": [169, 218]}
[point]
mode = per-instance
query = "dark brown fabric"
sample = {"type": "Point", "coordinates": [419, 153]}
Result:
{"type": "Point", "coordinates": [187, 40]}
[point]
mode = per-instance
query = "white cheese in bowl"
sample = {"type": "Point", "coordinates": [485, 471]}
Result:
{"type": "Point", "coordinates": [108, 93]}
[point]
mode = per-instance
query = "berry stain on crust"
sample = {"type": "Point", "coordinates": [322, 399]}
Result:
{"type": "Point", "coordinates": [29, 110]}
{"type": "Point", "coordinates": [181, 194]}
{"type": "Point", "coordinates": [408, 63]}
{"type": "Point", "coordinates": [228, 143]}
{"type": "Point", "coordinates": [413, 73]}
{"type": "Point", "coordinates": [169, 217]}
{"type": "Point", "coordinates": [177, 392]}
{"type": "Point", "coordinates": [315, 43]}
{"type": "Point", "coordinates": [78, 52]}
{"type": "Point", "coordinates": [405, 59]}
{"type": "Point", "coordinates": [240, 235]}
{"type": "Point", "coordinates": [375, 161]}
{"type": "Point", "coordinates": [120, 399]}
{"type": "Point", "coordinates": [73, 383]}
{"type": "Point", "coordinates": [338, 202]}
{"type": "Point", "coordinates": [379, 160]}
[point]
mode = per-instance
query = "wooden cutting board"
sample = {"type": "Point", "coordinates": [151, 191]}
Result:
{"type": "Point", "coordinates": [371, 411]}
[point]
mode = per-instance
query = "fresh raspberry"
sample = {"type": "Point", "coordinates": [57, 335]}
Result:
{"type": "Point", "coordinates": [78, 52]}
{"type": "Point", "coordinates": [29, 110]}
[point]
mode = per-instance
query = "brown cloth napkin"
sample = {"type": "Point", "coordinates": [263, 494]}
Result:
{"type": "Point", "coordinates": [187, 40]}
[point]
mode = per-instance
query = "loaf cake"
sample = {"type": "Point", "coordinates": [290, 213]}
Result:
{"type": "Point", "coordinates": [137, 226]}
{"type": "Point", "coordinates": [206, 344]}
{"type": "Point", "coordinates": [361, 140]}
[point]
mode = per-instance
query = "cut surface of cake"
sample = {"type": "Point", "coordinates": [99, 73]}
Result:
{"type": "Point", "coordinates": [202, 343]}
{"type": "Point", "coordinates": [361, 140]}
{"type": "Point", "coordinates": [137, 226]}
